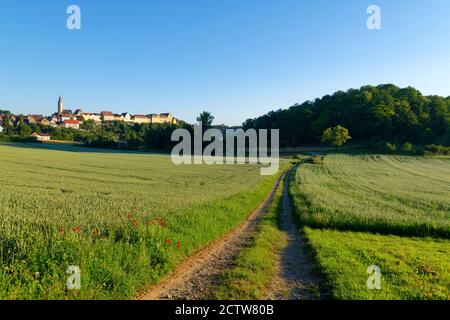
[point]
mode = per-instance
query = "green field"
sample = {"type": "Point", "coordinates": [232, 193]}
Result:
{"type": "Point", "coordinates": [386, 194]}
{"type": "Point", "coordinates": [397, 196]}
{"type": "Point", "coordinates": [411, 268]}
{"type": "Point", "coordinates": [125, 219]}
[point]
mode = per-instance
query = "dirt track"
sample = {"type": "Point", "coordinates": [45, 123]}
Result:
{"type": "Point", "coordinates": [199, 275]}
{"type": "Point", "coordinates": [294, 278]}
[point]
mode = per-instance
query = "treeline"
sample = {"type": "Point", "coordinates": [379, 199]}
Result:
{"type": "Point", "coordinates": [107, 135]}
{"type": "Point", "coordinates": [382, 113]}
{"type": "Point", "coordinates": [138, 136]}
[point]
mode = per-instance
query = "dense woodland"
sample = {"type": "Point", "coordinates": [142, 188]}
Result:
{"type": "Point", "coordinates": [382, 113]}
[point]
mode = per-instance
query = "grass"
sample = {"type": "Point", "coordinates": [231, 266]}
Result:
{"type": "Point", "coordinates": [411, 268]}
{"type": "Point", "coordinates": [125, 219]}
{"type": "Point", "coordinates": [250, 278]}
{"type": "Point", "coordinates": [358, 209]}
{"type": "Point", "coordinates": [378, 193]}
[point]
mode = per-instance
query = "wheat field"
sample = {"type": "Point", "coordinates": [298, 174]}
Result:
{"type": "Point", "coordinates": [402, 195]}
{"type": "Point", "coordinates": [125, 219]}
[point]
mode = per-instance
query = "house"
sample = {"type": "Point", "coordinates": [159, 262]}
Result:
{"type": "Point", "coordinates": [66, 116]}
{"type": "Point", "coordinates": [138, 118]}
{"type": "Point", "coordinates": [166, 117]}
{"type": "Point", "coordinates": [154, 117]}
{"type": "Point", "coordinates": [78, 112]}
{"type": "Point", "coordinates": [92, 116]}
{"type": "Point", "coordinates": [127, 117]}
{"type": "Point", "coordinates": [41, 136]}
{"type": "Point", "coordinates": [74, 124]}
{"type": "Point", "coordinates": [107, 116]}
{"type": "Point", "coordinates": [30, 120]}
{"type": "Point", "coordinates": [45, 122]}
{"type": "Point", "coordinates": [119, 117]}
{"type": "Point", "coordinates": [37, 117]}
{"type": "Point", "coordinates": [162, 118]}
{"type": "Point", "coordinates": [54, 118]}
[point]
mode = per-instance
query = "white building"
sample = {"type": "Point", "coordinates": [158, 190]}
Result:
{"type": "Point", "coordinates": [41, 136]}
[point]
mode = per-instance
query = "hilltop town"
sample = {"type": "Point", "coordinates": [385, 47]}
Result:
{"type": "Point", "coordinates": [66, 118]}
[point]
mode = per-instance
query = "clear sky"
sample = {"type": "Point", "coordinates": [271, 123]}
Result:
{"type": "Point", "coordinates": [235, 58]}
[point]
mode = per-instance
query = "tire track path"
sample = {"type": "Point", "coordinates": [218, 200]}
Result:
{"type": "Point", "coordinates": [294, 278]}
{"type": "Point", "coordinates": [199, 276]}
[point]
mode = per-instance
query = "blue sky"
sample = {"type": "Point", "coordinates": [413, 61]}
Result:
{"type": "Point", "coordinates": [235, 58]}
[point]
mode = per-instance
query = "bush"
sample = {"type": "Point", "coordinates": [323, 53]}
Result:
{"type": "Point", "coordinates": [391, 147]}
{"type": "Point", "coordinates": [436, 149]}
{"type": "Point", "coordinates": [6, 138]}
{"type": "Point", "coordinates": [315, 159]}
{"type": "Point", "coordinates": [407, 147]}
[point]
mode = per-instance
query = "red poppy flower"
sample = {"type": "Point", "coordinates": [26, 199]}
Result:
{"type": "Point", "coordinates": [76, 229]}
{"type": "Point", "coordinates": [179, 245]}
{"type": "Point", "coordinates": [135, 222]}
{"type": "Point", "coordinates": [129, 216]}
{"type": "Point", "coordinates": [168, 241]}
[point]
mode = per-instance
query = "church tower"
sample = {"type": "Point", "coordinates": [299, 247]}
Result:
{"type": "Point", "coordinates": [60, 105]}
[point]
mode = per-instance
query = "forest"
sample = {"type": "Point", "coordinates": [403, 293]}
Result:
{"type": "Point", "coordinates": [371, 114]}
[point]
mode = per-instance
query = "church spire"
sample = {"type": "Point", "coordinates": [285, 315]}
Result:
{"type": "Point", "coordinates": [60, 105]}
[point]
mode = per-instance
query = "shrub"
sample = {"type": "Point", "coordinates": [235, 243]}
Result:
{"type": "Point", "coordinates": [407, 147]}
{"type": "Point", "coordinates": [391, 147]}
{"type": "Point", "coordinates": [317, 159]}
{"type": "Point", "coordinates": [436, 149]}
{"type": "Point", "coordinates": [314, 159]}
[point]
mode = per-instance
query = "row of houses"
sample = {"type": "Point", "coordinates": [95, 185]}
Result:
{"type": "Point", "coordinates": [108, 116]}
{"type": "Point", "coordinates": [53, 121]}
{"type": "Point", "coordinates": [69, 119]}
{"type": "Point", "coordinates": [65, 118]}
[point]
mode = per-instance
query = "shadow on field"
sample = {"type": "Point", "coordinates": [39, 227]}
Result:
{"type": "Point", "coordinates": [76, 148]}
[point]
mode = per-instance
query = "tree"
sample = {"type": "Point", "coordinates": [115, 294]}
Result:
{"type": "Point", "coordinates": [23, 130]}
{"type": "Point", "coordinates": [206, 119]}
{"type": "Point", "coordinates": [88, 125]}
{"type": "Point", "coordinates": [7, 126]}
{"type": "Point", "coordinates": [407, 147]}
{"type": "Point", "coordinates": [336, 136]}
